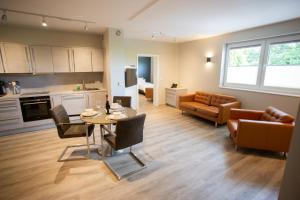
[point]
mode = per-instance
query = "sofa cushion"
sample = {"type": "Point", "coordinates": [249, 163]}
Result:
{"type": "Point", "coordinates": [218, 99]}
{"type": "Point", "coordinates": [208, 110]}
{"type": "Point", "coordinates": [232, 126]}
{"type": "Point", "coordinates": [275, 115]}
{"type": "Point", "coordinates": [202, 97]}
{"type": "Point", "coordinates": [189, 105]}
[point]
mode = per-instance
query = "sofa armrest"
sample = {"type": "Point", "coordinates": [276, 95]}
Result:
{"type": "Point", "coordinates": [186, 98]}
{"type": "Point", "coordinates": [236, 114]}
{"type": "Point", "coordinates": [224, 111]}
{"type": "Point", "coordinates": [264, 134]}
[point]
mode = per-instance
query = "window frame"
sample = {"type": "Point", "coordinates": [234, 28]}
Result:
{"type": "Point", "coordinates": [262, 66]}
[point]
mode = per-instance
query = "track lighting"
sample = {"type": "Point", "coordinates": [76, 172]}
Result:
{"type": "Point", "coordinates": [4, 17]}
{"type": "Point", "coordinates": [43, 16]}
{"type": "Point", "coordinates": [44, 23]}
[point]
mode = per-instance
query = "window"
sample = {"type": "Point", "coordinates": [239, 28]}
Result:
{"type": "Point", "coordinates": [271, 65]}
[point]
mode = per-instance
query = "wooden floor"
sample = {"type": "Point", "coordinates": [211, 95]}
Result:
{"type": "Point", "coordinates": [187, 158]}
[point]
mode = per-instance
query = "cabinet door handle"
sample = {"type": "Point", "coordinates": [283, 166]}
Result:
{"type": "Point", "coordinates": [69, 60]}
{"type": "Point", "coordinates": [33, 61]}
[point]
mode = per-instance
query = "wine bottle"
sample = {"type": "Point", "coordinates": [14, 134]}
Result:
{"type": "Point", "coordinates": [107, 106]}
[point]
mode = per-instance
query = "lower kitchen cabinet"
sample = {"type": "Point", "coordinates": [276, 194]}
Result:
{"type": "Point", "coordinates": [96, 99]}
{"type": "Point", "coordinates": [73, 103]}
{"type": "Point", "coordinates": [11, 120]}
{"type": "Point", "coordinates": [10, 115]}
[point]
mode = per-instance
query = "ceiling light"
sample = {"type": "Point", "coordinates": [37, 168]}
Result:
{"type": "Point", "coordinates": [86, 27]}
{"type": "Point", "coordinates": [44, 23]}
{"type": "Point", "coordinates": [4, 17]}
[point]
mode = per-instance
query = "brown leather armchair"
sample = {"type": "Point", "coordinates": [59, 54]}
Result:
{"type": "Point", "coordinates": [267, 130]}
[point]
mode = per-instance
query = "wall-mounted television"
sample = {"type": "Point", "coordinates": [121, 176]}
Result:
{"type": "Point", "coordinates": [130, 77]}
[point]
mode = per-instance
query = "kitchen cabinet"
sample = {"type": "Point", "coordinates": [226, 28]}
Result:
{"type": "Point", "coordinates": [95, 98]}
{"type": "Point", "coordinates": [97, 60]}
{"type": "Point", "coordinates": [41, 58]}
{"type": "Point", "coordinates": [10, 114]}
{"type": "Point", "coordinates": [55, 100]}
{"type": "Point", "coordinates": [61, 59]}
{"type": "Point", "coordinates": [16, 58]}
{"type": "Point", "coordinates": [73, 103]}
{"type": "Point", "coordinates": [82, 59]}
{"type": "Point", "coordinates": [1, 63]}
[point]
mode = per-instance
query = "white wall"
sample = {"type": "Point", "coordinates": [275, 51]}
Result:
{"type": "Point", "coordinates": [291, 180]}
{"type": "Point", "coordinates": [195, 74]}
{"type": "Point", "coordinates": [168, 71]}
{"type": "Point", "coordinates": [114, 62]}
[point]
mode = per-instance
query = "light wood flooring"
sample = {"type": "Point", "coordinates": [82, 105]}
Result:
{"type": "Point", "coordinates": [186, 157]}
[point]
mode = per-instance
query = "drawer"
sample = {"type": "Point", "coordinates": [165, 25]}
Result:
{"type": "Point", "coordinates": [171, 92]}
{"type": "Point", "coordinates": [171, 96]}
{"type": "Point", "coordinates": [10, 124]}
{"type": "Point", "coordinates": [8, 103]}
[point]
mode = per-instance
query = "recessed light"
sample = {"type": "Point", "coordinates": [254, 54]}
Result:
{"type": "Point", "coordinates": [44, 23]}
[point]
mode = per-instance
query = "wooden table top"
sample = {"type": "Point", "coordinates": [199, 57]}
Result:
{"type": "Point", "coordinates": [102, 118]}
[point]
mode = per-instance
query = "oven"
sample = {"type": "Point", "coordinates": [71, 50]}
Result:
{"type": "Point", "coordinates": [35, 108]}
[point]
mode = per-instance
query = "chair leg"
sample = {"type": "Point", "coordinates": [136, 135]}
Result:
{"type": "Point", "coordinates": [236, 147]}
{"type": "Point", "coordinates": [94, 137]}
{"type": "Point", "coordinates": [87, 139]}
{"type": "Point", "coordinates": [70, 159]}
{"type": "Point", "coordinates": [134, 156]}
{"type": "Point", "coordinates": [284, 155]}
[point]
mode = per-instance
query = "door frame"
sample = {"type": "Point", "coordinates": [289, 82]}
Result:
{"type": "Point", "coordinates": [156, 79]}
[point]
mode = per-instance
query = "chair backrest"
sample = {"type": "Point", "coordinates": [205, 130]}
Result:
{"type": "Point", "coordinates": [275, 115]}
{"type": "Point", "coordinates": [126, 100]}
{"type": "Point", "coordinates": [60, 115]}
{"type": "Point", "coordinates": [129, 131]}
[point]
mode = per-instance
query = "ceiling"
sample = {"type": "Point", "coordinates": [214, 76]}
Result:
{"type": "Point", "coordinates": [167, 20]}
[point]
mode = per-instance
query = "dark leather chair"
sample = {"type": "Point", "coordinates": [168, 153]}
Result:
{"type": "Point", "coordinates": [129, 132]}
{"type": "Point", "coordinates": [126, 100]}
{"type": "Point", "coordinates": [66, 129]}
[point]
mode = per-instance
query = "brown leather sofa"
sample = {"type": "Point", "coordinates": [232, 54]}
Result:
{"type": "Point", "coordinates": [214, 107]}
{"type": "Point", "coordinates": [267, 130]}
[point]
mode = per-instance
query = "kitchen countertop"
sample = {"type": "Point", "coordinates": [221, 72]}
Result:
{"type": "Point", "coordinates": [16, 96]}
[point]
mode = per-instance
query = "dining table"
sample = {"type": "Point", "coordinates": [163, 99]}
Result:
{"type": "Point", "coordinates": [104, 119]}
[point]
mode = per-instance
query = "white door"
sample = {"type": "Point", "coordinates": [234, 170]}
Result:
{"type": "Point", "coordinates": [97, 60]}
{"type": "Point", "coordinates": [16, 58]}
{"type": "Point", "coordinates": [82, 59]}
{"type": "Point", "coordinates": [42, 59]}
{"type": "Point", "coordinates": [73, 103]}
{"type": "Point", "coordinates": [61, 59]}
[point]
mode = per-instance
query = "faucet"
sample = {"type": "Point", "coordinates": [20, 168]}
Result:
{"type": "Point", "coordinates": [83, 85]}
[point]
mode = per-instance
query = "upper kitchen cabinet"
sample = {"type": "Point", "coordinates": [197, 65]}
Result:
{"type": "Point", "coordinates": [61, 59]}
{"type": "Point", "coordinates": [15, 58]}
{"type": "Point", "coordinates": [97, 60]}
{"type": "Point", "coordinates": [41, 58]}
{"type": "Point", "coordinates": [82, 59]}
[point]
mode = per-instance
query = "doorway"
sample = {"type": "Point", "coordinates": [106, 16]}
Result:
{"type": "Point", "coordinates": [147, 84]}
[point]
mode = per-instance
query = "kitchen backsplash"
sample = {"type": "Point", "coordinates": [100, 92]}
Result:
{"type": "Point", "coordinates": [55, 82]}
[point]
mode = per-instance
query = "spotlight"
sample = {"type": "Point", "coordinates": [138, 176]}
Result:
{"type": "Point", "coordinates": [86, 27]}
{"type": "Point", "coordinates": [4, 17]}
{"type": "Point", "coordinates": [44, 23]}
